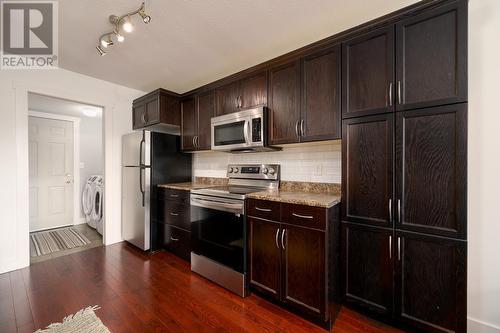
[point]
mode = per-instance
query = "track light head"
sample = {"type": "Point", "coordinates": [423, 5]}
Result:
{"type": "Point", "coordinates": [106, 42]}
{"type": "Point", "coordinates": [119, 37]}
{"type": "Point", "coordinates": [100, 50]}
{"type": "Point", "coordinates": [145, 18]}
{"type": "Point", "coordinates": [127, 25]}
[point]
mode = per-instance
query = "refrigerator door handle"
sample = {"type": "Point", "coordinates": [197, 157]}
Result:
{"type": "Point", "coordinates": [141, 185]}
{"type": "Point", "coordinates": [141, 150]}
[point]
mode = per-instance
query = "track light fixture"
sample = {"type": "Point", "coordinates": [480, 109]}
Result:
{"type": "Point", "coordinates": [124, 23]}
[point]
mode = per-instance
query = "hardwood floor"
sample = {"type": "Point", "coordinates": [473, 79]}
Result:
{"type": "Point", "coordinates": [138, 292]}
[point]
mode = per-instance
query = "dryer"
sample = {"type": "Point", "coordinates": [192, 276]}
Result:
{"type": "Point", "coordinates": [92, 201]}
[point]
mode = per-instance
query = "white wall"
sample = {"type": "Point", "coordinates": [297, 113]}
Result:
{"type": "Point", "coordinates": [314, 162]}
{"type": "Point", "coordinates": [484, 166]}
{"type": "Point", "coordinates": [14, 87]}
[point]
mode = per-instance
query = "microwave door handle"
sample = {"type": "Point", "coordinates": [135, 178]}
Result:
{"type": "Point", "coordinates": [245, 132]}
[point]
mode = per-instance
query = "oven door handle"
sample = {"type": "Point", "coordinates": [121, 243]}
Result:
{"type": "Point", "coordinates": [245, 132]}
{"type": "Point", "coordinates": [236, 208]}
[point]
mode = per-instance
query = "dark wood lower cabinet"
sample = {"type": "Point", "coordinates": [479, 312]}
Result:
{"type": "Point", "coordinates": [175, 240]}
{"type": "Point", "coordinates": [431, 282]}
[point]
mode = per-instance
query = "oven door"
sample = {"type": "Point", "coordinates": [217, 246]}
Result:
{"type": "Point", "coordinates": [218, 230]}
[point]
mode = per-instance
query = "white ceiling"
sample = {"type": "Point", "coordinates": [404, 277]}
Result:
{"type": "Point", "coordinates": [193, 42]}
{"type": "Point", "coordinates": [48, 104]}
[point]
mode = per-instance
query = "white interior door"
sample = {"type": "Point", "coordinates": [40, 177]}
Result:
{"type": "Point", "coordinates": [50, 173]}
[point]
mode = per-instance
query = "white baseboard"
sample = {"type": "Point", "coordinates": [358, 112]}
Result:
{"type": "Point", "coordinates": [477, 326]}
{"type": "Point", "coordinates": [81, 221]}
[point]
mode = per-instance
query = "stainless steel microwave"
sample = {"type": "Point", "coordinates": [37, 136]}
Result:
{"type": "Point", "coordinates": [243, 131]}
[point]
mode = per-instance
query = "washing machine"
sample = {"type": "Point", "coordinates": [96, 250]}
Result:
{"type": "Point", "coordinates": [92, 201]}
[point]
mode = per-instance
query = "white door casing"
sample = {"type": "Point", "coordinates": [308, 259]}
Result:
{"type": "Point", "coordinates": [51, 173]}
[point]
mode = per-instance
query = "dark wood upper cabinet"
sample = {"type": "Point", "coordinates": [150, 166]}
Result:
{"type": "Point", "coordinates": [368, 73]}
{"type": "Point", "coordinates": [205, 110]}
{"type": "Point", "coordinates": [284, 102]}
{"type": "Point", "coordinates": [156, 109]}
{"type": "Point", "coordinates": [431, 57]}
{"type": "Point", "coordinates": [264, 257]}
{"type": "Point", "coordinates": [367, 169]}
{"type": "Point", "coordinates": [304, 269]}
{"type": "Point", "coordinates": [189, 124]}
{"type": "Point", "coordinates": [431, 170]}
{"type": "Point", "coordinates": [321, 86]}
{"type": "Point", "coordinates": [227, 98]}
{"type": "Point", "coordinates": [367, 267]}
{"type": "Point", "coordinates": [431, 282]}
{"type": "Point", "coordinates": [253, 91]}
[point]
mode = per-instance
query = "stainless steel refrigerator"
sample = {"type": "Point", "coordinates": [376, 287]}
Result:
{"type": "Point", "coordinates": [148, 159]}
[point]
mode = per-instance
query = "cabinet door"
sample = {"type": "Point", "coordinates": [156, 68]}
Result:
{"type": "Point", "coordinates": [205, 111]}
{"type": "Point", "coordinates": [432, 57]}
{"type": "Point", "coordinates": [304, 284]}
{"type": "Point", "coordinates": [139, 116]}
{"type": "Point", "coordinates": [264, 256]}
{"type": "Point", "coordinates": [227, 98]}
{"type": "Point", "coordinates": [367, 170]}
{"type": "Point", "coordinates": [367, 254]}
{"type": "Point", "coordinates": [431, 276]}
{"type": "Point", "coordinates": [368, 73]}
{"type": "Point", "coordinates": [170, 110]}
{"type": "Point", "coordinates": [321, 106]}
{"type": "Point", "coordinates": [431, 170]}
{"type": "Point", "coordinates": [253, 91]}
{"type": "Point", "coordinates": [284, 102]}
{"type": "Point", "coordinates": [188, 124]}
{"type": "Point", "coordinates": [153, 111]}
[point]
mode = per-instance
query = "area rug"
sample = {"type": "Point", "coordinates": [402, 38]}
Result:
{"type": "Point", "coordinates": [45, 242]}
{"type": "Point", "coordinates": [84, 321]}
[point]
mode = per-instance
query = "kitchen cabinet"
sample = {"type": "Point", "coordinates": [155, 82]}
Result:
{"type": "Point", "coordinates": [248, 92]}
{"type": "Point", "coordinates": [196, 115]}
{"type": "Point", "coordinates": [189, 124]}
{"type": "Point", "coordinates": [431, 170]}
{"type": "Point", "coordinates": [320, 101]}
{"type": "Point", "coordinates": [284, 102]}
{"type": "Point", "coordinates": [431, 282]}
{"type": "Point", "coordinates": [367, 170]}
{"type": "Point", "coordinates": [304, 98]}
{"type": "Point", "coordinates": [368, 73]}
{"type": "Point", "coordinates": [431, 57]}
{"type": "Point", "coordinates": [367, 267]}
{"type": "Point", "coordinates": [174, 222]}
{"type": "Point", "coordinates": [157, 110]}
{"type": "Point", "coordinates": [293, 259]}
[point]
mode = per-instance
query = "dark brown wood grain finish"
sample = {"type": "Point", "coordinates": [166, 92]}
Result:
{"type": "Point", "coordinates": [158, 107]}
{"type": "Point", "coordinates": [431, 172]}
{"type": "Point", "coordinates": [432, 57]}
{"type": "Point", "coordinates": [305, 216]}
{"type": "Point", "coordinates": [205, 110]}
{"type": "Point", "coordinates": [188, 124]}
{"type": "Point", "coordinates": [227, 98]}
{"type": "Point", "coordinates": [368, 267]}
{"type": "Point", "coordinates": [264, 257]}
{"type": "Point", "coordinates": [368, 73]}
{"type": "Point", "coordinates": [304, 270]}
{"type": "Point", "coordinates": [175, 240]}
{"type": "Point", "coordinates": [284, 102]}
{"type": "Point", "coordinates": [173, 213]}
{"type": "Point", "coordinates": [269, 210]}
{"type": "Point", "coordinates": [321, 89]}
{"type": "Point", "coordinates": [431, 276]}
{"type": "Point", "coordinates": [253, 90]}
{"type": "Point", "coordinates": [367, 164]}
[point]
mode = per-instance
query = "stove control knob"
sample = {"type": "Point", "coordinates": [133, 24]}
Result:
{"type": "Point", "coordinates": [265, 171]}
{"type": "Point", "coordinates": [272, 171]}
{"type": "Point", "coordinates": [230, 170]}
{"type": "Point", "coordinates": [236, 170]}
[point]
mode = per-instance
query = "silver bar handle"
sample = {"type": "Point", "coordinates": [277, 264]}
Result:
{"type": "Point", "coordinates": [174, 214]}
{"type": "Point", "coordinates": [245, 132]}
{"type": "Point", "coordinates": [302, 128]}
{"type": "Point", "coordinates": [174, 195]}
{"type": "Point", "coordinates": [399, 210]}
{"type": "Point", "coordinates": [399, 248]}
{"type": "Point", "coordinates": [263, 209]}
{"type": "Point", "coordinates": [194, 146]}
{"type": "Point", "coordinates": [390, 210]}
{"type": "Point", "coordinates": [297, 128]}
{"type": "Point", "coordinates": [390, 246]}
{"type": "Point", "coordinates": [174, 239]}
{"type": "Point", "coordinates": [276, 238]}
{"type": "Point", "coordinates": [390, 94]}
{"type": "Point", "coordinates": [303, 216]}
{"type": "Point", "coordinates": [399, 92]}
{"type": "Point", "coordinates": [282, 239]}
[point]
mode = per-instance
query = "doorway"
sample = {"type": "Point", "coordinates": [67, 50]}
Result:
{"type": "Point", "coordinates": [66, 176]}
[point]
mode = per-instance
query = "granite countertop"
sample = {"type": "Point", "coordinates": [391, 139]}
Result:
{"type": "Point", "coordinates": [316, 199]}
{"type": "Point", "coordinates": [199, 182]}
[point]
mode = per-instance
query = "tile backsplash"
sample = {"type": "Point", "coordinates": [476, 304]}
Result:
{"type": "Point", "coordinates": [306, 162]}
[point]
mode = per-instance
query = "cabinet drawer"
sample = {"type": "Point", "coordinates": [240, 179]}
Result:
{"type": "Point", "coordinates": [175, 214]}
{"type": "Point", "coordinates": [306, 216]}
{"type": "Point", "coordinates": [175, 240]}
{"type": "Point", "coordinates": [268, 210]}
{"type": "Point", "coordinates": [175, 195]}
